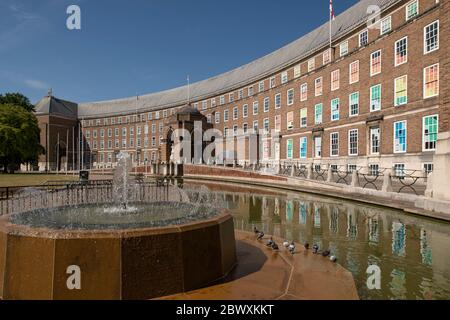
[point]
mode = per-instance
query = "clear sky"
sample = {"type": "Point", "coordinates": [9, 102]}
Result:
{"type": "Point", "coordinates": [134, 47]}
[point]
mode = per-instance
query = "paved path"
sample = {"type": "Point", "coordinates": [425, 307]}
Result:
{"type": "Point", "coordinates": [262, 274]}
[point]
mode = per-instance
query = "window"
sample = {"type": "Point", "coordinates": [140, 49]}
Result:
{"type": "Point", "coordinates": [430, 132]}
{"type": "Point", "coordinates": [225, 116]}
{"type": "Point", "coordinates": [318, 86]}
{"type": "Point", "coordinates": [266, 104]}
{"type": "Point", "coordinates": [303, 147]}
{"type": "Point", "coordinates": [375, 98]}
{"type": "Point", "coordinates": [363, 38]}
{"type": "Point", "coordinates": [335, 75]}
{"type": "Point", "coordinates": [431, 37]}
{"type": "Point", "coordinates": [278, 101]}
{"type": "Point", "coordinates": [88, 134]}
{"type": "Point", "coordinates": [412, 10]}
{"type": "Point", "coordinates": [428, 168]}
{"type": "Point", "coordinates": [400, 137]}
{"type": "Point", "coordinates": [204, 105]}
{"type": "Point", "coordinates": [386, 25]}
{"type": "Point", "coordinates": [401, 51]}
{"type": "Point", "coordinates": [297, 71]}
{"type": "Point", "coordinates": [261, 86]}
{"type": "Point", "coordinates": [374, 170]}
{"type": "Point", "coordinates": [245, 111]}
{"type": "Point", "coordinates": [431, 81]}
{"type": "Point", "coordinates": [235, 113]}
{"type": "Point", "coordinates": [266, 125]}
{"type": "Point", "coordinates": [334, 144]}
{"type": "Point", "coordinates": [213, 102]}
{"type": "Point", "coordinates": [217, 117]}
{"type": "Point", "coordinates": [225, 132]}
{"type": "Point", "coordinates": [124, 131]}
{"type": "Point", "coordinates": [116, 131]}
{"type": "Point", "coordinates": [375, 63]}
{"type": "Point", "coordinates": [343, 48]}
{"type": "Point", "coordinates": [353, 142]}
{"type": "Point", "coordinates": [354, 72]}
{"type": "Point", "coordinates": [231, 97]}
{"type": "Point", "coordinates": [375, 140]}
{"type": "Point", "coordinates": [250, 91]}
{"type": "Point", "coordinates": [278, 123]}
{"type": "Point", "coordinates": [399, 169]}
{"type": "Point", "coordinates": [289, 149]}
{"type": "Point", "coordinates": [311, 64]}
{"type": "Point", "coordinates": [131, 131]}
{"type": "Point", "coordinates": [354, 104]}
{"type": "Point", "coordinates": [222, 100]}
{"type": "Point", "coordinates": [304, 92]}
{"type": "Point", "coordinates": [255, 126]}
{"type": "Point", "coordinates": [351, 168]}
{"type": "Point", "coordinates": [327, 56]}
{"type": "Point", "coordinates": [318, 147]}
{"type": "Point", "coordinates": [401, 91]}
{"type": "Point", "coordinates": [245, 128]}
{"type": "Point", "coordinates": [235, 130]}
{"type": "Point", "coordinates": [335, 109]}
{"type": "Point", "coordinates": [272, 82]}
{"type": "Point", "coordinates": [240, 94]}
{"type": "Point", "coordinates": [290, 97]}
{"type": "Point", "coordinates": [284, 77]}
{"type": "Point", "coordinates": [318, 113]}
{"type": "Point", "coordinates": [303, 117]}
{"type": "Point", "coordinates": [255, 108]}
{"type": "Point", "coordinates": [208, 118]}
{"type": "Point", "coordinates": [290, 120]}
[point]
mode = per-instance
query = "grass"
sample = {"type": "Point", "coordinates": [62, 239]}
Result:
{"type": "Point", "coordinates": [27, 179]}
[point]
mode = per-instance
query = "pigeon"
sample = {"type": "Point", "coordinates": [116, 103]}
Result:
{"type": "Point", "coordinates": [256, 231]}
{"type": "Point", "coordinates": [326, 253]}
{"type": "Point", "coordinates": [286, 243]}
{"type": "Point", "coordinates": [306, 246]}
{"type": "Point", "coordinates": [270, 242]}
{"type": "Point", "coordinates": [275, 246]}
{"type": "Point", "coordinates": [333, 259]}
{"type": "Point", "coordinates": [315, 249]}
{"type": "Point", "coordinates": [292, 248]}
{"type": "Point", "coordinates": [260, 235]}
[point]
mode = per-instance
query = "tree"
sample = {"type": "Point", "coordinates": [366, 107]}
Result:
{"type": "Point", "coordinates": [19, 137]}
{"type": "Point", "coordinates": [16, 99]}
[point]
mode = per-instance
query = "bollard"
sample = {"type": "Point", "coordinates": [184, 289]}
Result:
{"type": "Point", "coordinates": [355, 179]}
{"type": "Point", "coordinates": [387, 181]}
{"type": "Point", "coordinates": [330, 174]}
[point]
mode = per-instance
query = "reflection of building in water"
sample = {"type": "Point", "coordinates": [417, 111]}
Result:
{"type": "Point", "coordinates": [352, 226]}
{"type": "Point", "coordinates": [334, 219]}
{"type": "Point", "coordinates": [277, 207]}
{"type": "Point", "coordinates": [265, 207]}
{"type": "Point", "coordinates": [374, 233]}
{"type": "Point", "coordinates": [397, 284]}
{"type": "Point", "coordinates": [316, 216]}
{"type": "Point", "coordinates": [398, 239]}
{"type": "Point", "coordinates": [302, 213]}
{"type": "Point", "coordinates": [425, 250]}
{"type": "Point", "coordinates": [289, 210]}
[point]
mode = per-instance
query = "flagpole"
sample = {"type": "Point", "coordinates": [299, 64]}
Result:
{"type": "Point", "coordinates": [331, 19]}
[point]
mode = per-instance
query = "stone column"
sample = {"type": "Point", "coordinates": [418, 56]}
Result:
{"type": "Point", "coordinates": [387, 181]}
{"type": "Point", "coordinates": [310, 171]}
{"type": "Point", "coordinates": [441, 174]}
{"type": "Point", "coordinates": [330, 174]}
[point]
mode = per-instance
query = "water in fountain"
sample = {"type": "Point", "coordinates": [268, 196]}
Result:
{"type": "Point", "coordinates": [124, 188]}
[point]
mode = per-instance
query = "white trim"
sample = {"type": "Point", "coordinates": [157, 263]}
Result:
{"type": "Point", "coordinates": [381, 25]}
{"type": "Point", "coordinates": [275, 101]}
{"type": "Point", "coordinates": [350, 72]}
{"type": "Point", "coordinates": [423, 132]}
{"type": "Point", "coordinates": [357, 143]}
{"type": "Point", "coordinates": [300, 147]}
{"type": "Point", "coordinates": [301, 90]}
{"type": "Point", "coordinates": [350, 115]}
{"type": "Point", "coordinates": [315, 86]}
{"type": "Point", "coordinates": [438, 80]}
{"type": "Point", "coordinates": [395, 51]}
{"type": "Point", "coordinates": [371, 98]}
{"type": "Point", "coordinates": [406, 137]}
{"type": "Point", "coordinates": [371, 63]}
{"type": "Point", "coordinates": [406, 9]}
{"type": "Point", "coordinates": [331, 144]}
{"type": "Point", "coordinates": [359, 38]}
{"type": "Point", "coordinates": [425, 52]}
{"type": "Point", "coordinates": [371, 142]}
{"type": "Point", "coordinates": [395, 91]}
{"type": "Point", "coordinates": [338, 71]}
{"type": "Point", "coordinates": [287, 97]}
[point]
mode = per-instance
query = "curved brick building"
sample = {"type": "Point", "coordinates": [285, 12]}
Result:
{"type": "Point", "coordinates": [378, 97]}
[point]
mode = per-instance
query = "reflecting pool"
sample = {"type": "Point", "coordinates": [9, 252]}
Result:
{"type": "Point", "coordinates": [412, 252]}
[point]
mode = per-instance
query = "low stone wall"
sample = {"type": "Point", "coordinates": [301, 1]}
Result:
{"type": "Point", "coordinates": [198, 170]}
{"type": "Point", "coordinates": [41, 264]}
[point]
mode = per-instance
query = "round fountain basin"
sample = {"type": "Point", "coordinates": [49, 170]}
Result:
{"type": "Point", "coordinates": [154, 251]}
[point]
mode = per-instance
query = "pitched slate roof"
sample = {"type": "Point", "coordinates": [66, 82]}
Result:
{"type": "Point", "coordinates": [318, 39]}
{"type": "Point", "coordinates": [55, 106]}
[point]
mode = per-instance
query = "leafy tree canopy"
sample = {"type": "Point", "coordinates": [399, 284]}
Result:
{"type": "Point", "coordinates": [19, 137]}
{"type": "Point", "coordinates": [16, 99]}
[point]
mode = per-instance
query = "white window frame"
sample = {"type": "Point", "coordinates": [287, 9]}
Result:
{"type": "Point", "coordinates": [350, 104]}
{"type": "Point", "coordinates": [357, 142]}
{"type": "Point", "coordinates": [284, 77]}
{"type": "Point", "coordinates": [424, 82]}
{"type": "Point", "coordinates": [366, 31]}
{"type": "Point", "coordinates": [255, 103]}
{"type": "Point", "coordinates": [304, 85]}
{"type": "Point", "coordinates": [350, 71]}
{"type": "Point", "coordinates": [331, 144]}
{"type": "Point", "coordinates": [395, 91]}
{"type": "Point", "coordinates": [406, 10]}
{"type": "Point", "coordinates": [371, 98]}
{"type": "Point", "coordinates": [266, 103]}
{"type": "Point", "coordinates": [371, 140]}
{"type": "Point", "coordinates": [423, 132]}
{"type": "Point", "coordinates": [395, 52]}
{"type": "Point", "coordinates": [372, 74]}
{"type": "Point", "coordinates": [406, 137]}
{"type": "Point", "coordinates": [300, 150]}
{"type": "Point", "coordinates": [343, 45]}
{"type": "Point", "coordinates": [290, 101]}
{"type": "Point", "coordinates": [333, 74]}
{"type": "Point", "coordinates": [245, 111]}
{"type": "Point", "coordinates": [425, 37]}
{"type": "Point", "coordinates": [277, 96]}
{"type": "Point", "coordinates": [315, 86]}
{"type": "Point", "coordinates": [235, 113]}
{"type": "Point", "coordinates": [389, 20]}
{"type": "Point", "coordinates": [311, 64]}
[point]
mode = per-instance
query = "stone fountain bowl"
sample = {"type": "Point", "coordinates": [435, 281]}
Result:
{"type": "Point", "coordinates": [112, 261]}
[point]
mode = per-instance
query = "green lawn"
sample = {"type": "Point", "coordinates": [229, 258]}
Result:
{"type": "Point", "coordinates": [14, 180]}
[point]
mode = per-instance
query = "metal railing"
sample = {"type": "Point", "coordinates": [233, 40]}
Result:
{"type": "Point", "coordinates": [79, 194]}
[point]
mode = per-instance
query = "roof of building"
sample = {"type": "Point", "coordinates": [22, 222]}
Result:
{"type": "Point", "coordinates": [55, 106]}
{"type": "Point", "coordinates": [349, 20]}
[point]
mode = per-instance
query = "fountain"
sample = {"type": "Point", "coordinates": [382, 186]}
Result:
{"type": "Point", "coordinates": [121, 241]}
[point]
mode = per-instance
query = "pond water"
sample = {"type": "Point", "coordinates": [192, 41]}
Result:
{"type": "Point", "coordinates": [412, 252]}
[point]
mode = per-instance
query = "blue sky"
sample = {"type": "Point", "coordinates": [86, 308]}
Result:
{"type": "Point", "coordinates": [128, 48]}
